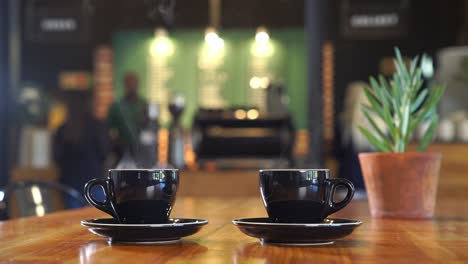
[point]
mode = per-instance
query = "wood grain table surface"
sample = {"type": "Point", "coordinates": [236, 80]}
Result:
{"type": "Point", "coordinates": [59, 237]}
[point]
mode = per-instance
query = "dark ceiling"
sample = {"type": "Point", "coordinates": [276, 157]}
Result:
{"type": "Point", "coordinates": [109, 16]}
{"type": "Point", "coordinates": [432, 24]}
{"type": "Point", "coordinates": [112, 15]}
{"type": "Point", "coordinates": [195, 13]}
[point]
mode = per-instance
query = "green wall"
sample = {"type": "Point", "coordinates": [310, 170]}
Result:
{"type": "Point", "coordinates": [131, 52]}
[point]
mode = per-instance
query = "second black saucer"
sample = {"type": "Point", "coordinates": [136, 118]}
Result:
{"type": "Point", "coordinates": [299, 234]}
{"type": "Point", "coordinates": [169, 232]}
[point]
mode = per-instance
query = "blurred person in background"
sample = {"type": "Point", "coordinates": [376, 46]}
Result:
{"type": "Point", "coordinates": [80, 146]}
{"type": "Point", "coordinates": [127, 117]}
{"type": "Point", "coordinates": [349, 141]}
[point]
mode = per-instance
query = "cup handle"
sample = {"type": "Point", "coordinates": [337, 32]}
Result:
{"type": "Point", "coordinates": [106, 205]}
{"type": "Point", "coordinates": [334, 183]}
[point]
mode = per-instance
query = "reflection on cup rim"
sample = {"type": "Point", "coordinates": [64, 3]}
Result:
{"type": "Point", "coordinates": [300, 170]}
{"type": "Point", "coordinates": [145, 170]}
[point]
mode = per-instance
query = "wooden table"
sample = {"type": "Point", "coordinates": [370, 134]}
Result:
{"type": "Point", "coordinates": [58, 238]}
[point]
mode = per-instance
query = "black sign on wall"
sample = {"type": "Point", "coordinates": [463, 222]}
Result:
{"type": "Point", "coordinates": [57, 25]}
{"type": "Point", "coordinates": [372, 20]}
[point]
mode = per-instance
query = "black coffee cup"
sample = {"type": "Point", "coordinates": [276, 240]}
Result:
{"type": "Point", "coordinates": [137, 196]}
{"type": "Point", "coordinates": [301, 196]}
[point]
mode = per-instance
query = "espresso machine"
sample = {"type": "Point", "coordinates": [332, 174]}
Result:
{"type": "Point", "coordinates": [243, 137]}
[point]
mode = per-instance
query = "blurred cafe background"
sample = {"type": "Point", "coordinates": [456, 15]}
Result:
{"type": "Point", "coordinates": [216, 88]}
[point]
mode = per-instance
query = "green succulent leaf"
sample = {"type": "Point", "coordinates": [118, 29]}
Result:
{"type": "Point", "coordinates": [368, 109]}
{"type": "Point", "coordinates": [402, 103]}
{"type": "Point", "coordinates": [405, 120]}
{"type": "Point", "coordinates": [385, 89]}
{"type": "Point", "coordinates": [414, 64]}
{"type": "Point", "coordinates": [378, 130]}
{"type": "Point", "coordinates": [419, 100]}
{"type": "Point", "coordinates": [373, 140]}
{"type": "Point", "coordinates": [397, 93]}
{"type": "Point", "coordinates": [434, 97]}
{"type": "Point", "coordinates": [429, 105]}
{"type": "Point", "coordinates": [429, 135]}
{"type": "Point", "coordinates": [374, 101]}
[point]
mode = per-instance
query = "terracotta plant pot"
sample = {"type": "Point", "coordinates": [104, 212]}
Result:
{"type": "Point", "coordinates": [401, 185]}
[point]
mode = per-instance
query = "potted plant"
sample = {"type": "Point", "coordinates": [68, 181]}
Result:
{"type": "Point", "coordinates": [401, 184]}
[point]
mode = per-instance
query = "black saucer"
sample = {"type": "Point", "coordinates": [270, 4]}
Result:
{"type": "Point", "coordinates": [169, 232]}
{"type": "Point", "coordinates": [296, 234]}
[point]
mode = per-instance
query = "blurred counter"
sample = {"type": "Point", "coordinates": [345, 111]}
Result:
{"type": "Point", "coordinates": [454, 155]}
{"type": "Point", "coordinates": [224, 183]}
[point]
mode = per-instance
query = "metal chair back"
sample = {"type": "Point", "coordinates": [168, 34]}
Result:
{"type": "Point", "coordinates": [35, 198]}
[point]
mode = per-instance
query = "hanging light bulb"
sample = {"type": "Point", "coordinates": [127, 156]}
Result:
{"type": "Point", "coordinates": [161, 45]}
{"type": "Point", "coordinates": [262, 46]}
{"type": "Point", "coordinates": [210, 35]}
{"type": "Point", "coordinates": [262, 36]}
{"type": "Point", "coordinates": [213, 40]}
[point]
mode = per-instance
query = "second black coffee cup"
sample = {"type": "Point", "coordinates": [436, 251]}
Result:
{"type": "Point", "coordinates": [137, 196]}
{"type": "Point", "coordinates": [301, 196]}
